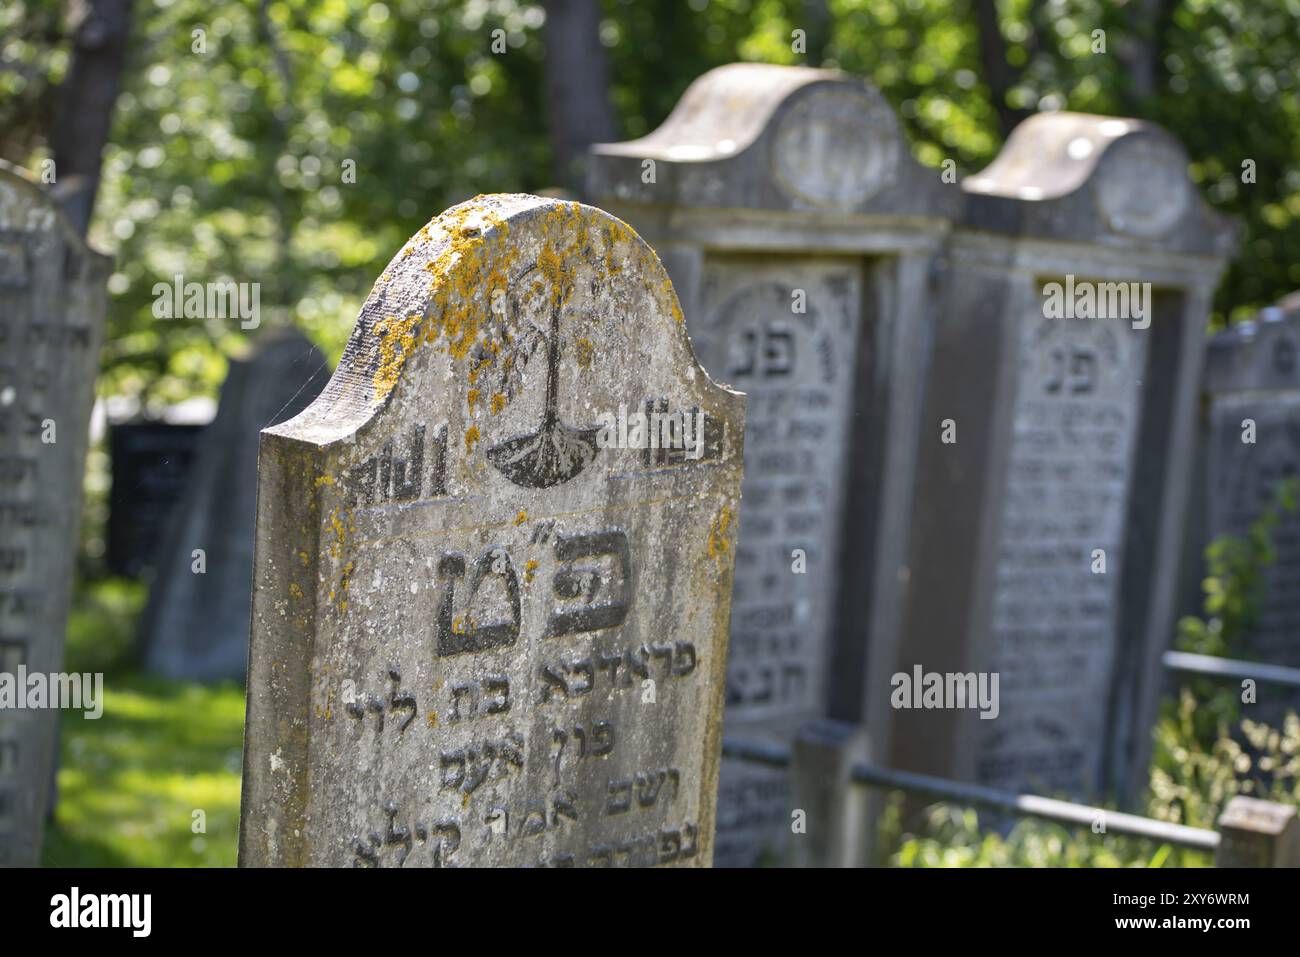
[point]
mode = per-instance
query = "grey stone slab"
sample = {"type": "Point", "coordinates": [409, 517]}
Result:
{"type": "Point", "coordinates": [1074, 439]}
{"type": "Point", "coordinates": [800, 235]}
{"type": "Point", "coordinates": [52, 303]}
{"type": "Point", "coordinates": [480, 635]}
{"type": "Point", "coordinates": [1252, 391]}
{"type": "Point", "coordinates": [195, 626]}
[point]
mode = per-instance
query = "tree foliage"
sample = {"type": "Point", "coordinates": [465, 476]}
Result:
{"type": "Point", "coordinates": [228, 156]}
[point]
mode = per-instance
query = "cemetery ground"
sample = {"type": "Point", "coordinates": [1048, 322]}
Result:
{"type": "Point", "coordinates": [129, 782]}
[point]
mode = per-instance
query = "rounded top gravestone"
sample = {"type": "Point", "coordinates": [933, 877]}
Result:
{"type": "Point", "coordinates": [757, 136]}
{"type": "Point", "coordinates": [488, 627]}
{"type": "Point", "coordinates": [1088, 178]}
{"type": "Point", "coordinates": [1259, 355]}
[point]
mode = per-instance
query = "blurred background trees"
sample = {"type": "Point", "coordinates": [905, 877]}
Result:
{"type": "Point", "coordinates": [299, 144]}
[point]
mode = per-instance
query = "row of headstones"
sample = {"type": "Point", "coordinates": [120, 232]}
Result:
{"type": "Point", "coordinates": [452, 558]}
{"type": "Point", "coordinates": [984, 472]}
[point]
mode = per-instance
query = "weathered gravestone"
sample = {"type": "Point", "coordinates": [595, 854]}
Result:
{"type": "Point", "coordinates": [799, 233]}
{"type": "Point", "coordinates": [1055, 458]}
{"type": "Point", "coordinates": [196, 624]}
{"type": "Point", "coordinates": [52, 302]}
{"type": "Point", "coordinates": [1252, 437]}
{"type": "Point", "coordinates": [481, 636]}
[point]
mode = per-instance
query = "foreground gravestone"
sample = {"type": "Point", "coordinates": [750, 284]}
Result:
{"type": "Point", "coordinates": [481, 634]}
{"type": "Point", "coordinates": [52, 302]}
{"type": "Point", "coordinates": [799, 233]}
{"type": "Point", "coordinates": [1054, 463]}
{"type": "Point", "coordinates": [1252, 429]}
{"type": "Point", "coordinates": [196, 624]}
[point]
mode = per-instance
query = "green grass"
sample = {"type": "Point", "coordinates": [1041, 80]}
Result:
{"type": "Point", "coordinates": [131, 782]}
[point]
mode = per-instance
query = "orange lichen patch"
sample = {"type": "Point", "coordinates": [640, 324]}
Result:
{"type": "Point", "coordinates": [530, 567]}
{"type": "Point", "coordinates": [521, 517]}
{"type": "Point", "coordinates": [471, 397]}
{"type": "Point", "coordinates": [345, 581]}
{"type": "Point", "coordinates": [584, 352]}
{"type": "Point", "coordinates": [471, 438]}
{"type": "Point", "coordinates": [460, 273]}
{"type": "Point", "coordinates": [720, 536]}
{"type": "Point", "coordinates": [396, 342]}
{"type": "Point", "coordinates": [553, 259]}
{"type": "Point", "coordinates": [471, 265]}
{"type": "Point", "coordinates": [673, 304]}
{"type": "Point", "coordinates": [339, 527]}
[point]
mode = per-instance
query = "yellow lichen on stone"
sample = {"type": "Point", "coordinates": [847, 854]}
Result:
{"type": "Point", "coordinates": [471, 438]}
{"type": "Point", "coordinates": [530, 566]}
{"type": "Point", "coordinates": [294, 590]}
{"type": "Point", "coordinates": [586, 349]}
{"type": "Point", "coordinates": [325, 479]}
{"type": "Point", "coordinates": [521, 517]}
{"type": "Point", "coordinates": [339, 528]}
{"type": "Point", "coordinates": [497, 402]}
{"type": "Point", "coordinates": [396, 342]}
{"type": "Point", "coordinates": [719, 541]}
{"type": "Point", "coordinates": [471, 397]}
{"type": "Point", "coordinates": [432, 718]}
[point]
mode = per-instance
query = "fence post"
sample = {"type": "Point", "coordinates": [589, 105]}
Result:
{"type": "Point", "coordinates": [834, 807]}
{"type": "Point", "coordinates": [1254, 833]}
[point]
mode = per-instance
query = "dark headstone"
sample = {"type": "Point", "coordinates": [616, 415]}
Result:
{"type": "Point", "coordinates": [151, 464]}
{"type": "Point", "coordinates": [196, 624]}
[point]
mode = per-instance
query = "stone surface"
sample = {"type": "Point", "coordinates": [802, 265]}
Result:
{"type": "Point", "coordinates": [1255, 833]}
{"type": "Point", "coordinates": [52, 302]}
{"type": "Point", "coordinates": [480, 637]}
{"type": "Point", "coordinates": [196, 624]}
{"type": "Point", "coordinates": [799, 234]}
{"type": "Point", "coordinates": [1073, 440]}
{"type": "Point", "coordinates": [1253, 372]}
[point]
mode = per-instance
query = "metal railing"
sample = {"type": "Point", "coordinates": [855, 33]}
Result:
{"type": "Point", "coordinates": [1023, 805]}
{"type": "Point", "coordinates": [1215, 667]}
{"type": "Point", "coordinates": [827, 770]}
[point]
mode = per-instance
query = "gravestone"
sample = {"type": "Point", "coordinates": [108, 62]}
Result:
{"type": "Point", "coordinates": [152, 464]}
{"type": "Point", "coordinates": [481, 634]}
{"type": "Point", "coordinates": [1252, 422]}
{"type": "Point", "coordinates": [800, 234]}
{"type": "Point", "coordinates": [196, 624]}
{"type": "Point", "coordinates": [52, 302]}
{"type": "Point", "coordinates": [1047, 520]}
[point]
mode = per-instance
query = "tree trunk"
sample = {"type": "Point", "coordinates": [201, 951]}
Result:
{"type": "Point", "coordinates": [577, 87]}
{"type": "Point", "coordinates": [85, 103]}
{"type": "Point", "coordinates": [1000, 75]}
